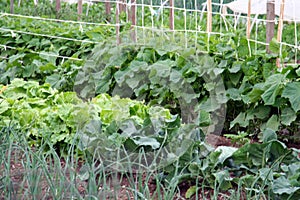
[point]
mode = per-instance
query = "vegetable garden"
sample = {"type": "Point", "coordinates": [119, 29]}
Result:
{"type": "Point", "coordinates": [146, 100]}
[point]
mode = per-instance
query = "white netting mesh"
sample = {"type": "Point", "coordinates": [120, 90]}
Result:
{"type": "Point", "coordinates": [188, 19]}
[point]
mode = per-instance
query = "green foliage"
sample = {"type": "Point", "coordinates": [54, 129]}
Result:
{"type": "Point", "coordinates": [47, 9]}
{"type": "Point", "coordinates": [36, 50]}
{"type": "Point", "coordinates": [43, 112]}
{"type": "Point", "coordinates": [190, 88]}
{"type": "Point", "coordinates": [268, 169]}
{"type": "Point", "coordinates": [182, 80]}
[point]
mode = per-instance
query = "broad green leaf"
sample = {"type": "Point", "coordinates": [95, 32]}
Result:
{"type": "Point", "coordinates": [49, 56]}
{"type": "Point", "coordinates": [269, 135]}
{"type": "Point", "coordinates": [223, 178]}
{"type": "Point", "coordinates": [16, 57]}
{"type": "Point", "coordinates": [273, 123]}
{"type": "Point", "coordinates": [298, 72]}
{"type": "Point", "coordinates": [251, 155]}
{"type": "Point", "coordinates": [226, 152]}
{"type": "Point", "coordinates": [218, 71]}
{"type": "Point", "coordinates": [94, 35]}
{"type": "Point", "coordinates": [240, 119]}
{"type": "Point", "coordinates": [15, 93]}
{"type": "Point", "coordinates": [243, 48]}
{"type": "Point", "coordinates": [29, 70]}
{"type": "Point", "coordinates": [287, 116]}
{"type": "Point", "coordinates": [135, 81]}
{"type": "Point", "coordinates": [223, 48]}
{"type": "Point", "coordinates": [160, 71]}
{"type": "Point", "coordinates": [211, 104]}
{"type": "Point", "coordinates": [191, 191]}
{"type": "Point", "coordinates": [268, 70]}
{"type": "Point", "coordinates": [55, 80]}
{"type": "Point", "coordinates": [234, 94]}
{"type": "Point", "coordinates": [204, 118]}
{"type": "Point", "coordinates": [282, 185]}
{"type": "Point", "coordinates": [128, 128]}
{"type": "Point", "coordinates": [147, 141]}
{"type": "Point", "coordinates": [36, 102]}
{"type": "Point", "coordinates": [273, 88]}
{"type": "Point", "coordinates": [266, 174]}
{"type": "Point", "coordinates": [236, 67]}
{"type": "Point", "coordinates": [4, 106]}
{"type": "Point", "coordinates": [269, 96]}
{"type": "Point", "coordinates": [292, 92]}
{"type": "Point", "coordinates": [28, 117]}
{"type": "Point", "coordinates": [122, 75]}
{"type": "Point", "coordinates": [175, 76]}
{"type": "Point", "coordinates": [291, 169]}
{"type": "Point", "coordinates": [255, 94]}
{"type": "Point", "coordinates": [235, 78]}
{"type": "Point", "coordinates": [262, 111]}
{"type": "Point", "coordinates": [222, 64]}
{"type": "Point", "coordinates": [67, 97]}
{"type": "Point", "coordinates": [274, 46]}
{"type": "Point", "coordinates": [48, 67]}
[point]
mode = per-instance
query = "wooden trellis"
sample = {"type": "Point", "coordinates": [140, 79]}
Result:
{"type": "Point", "coordinates": [131, 9]}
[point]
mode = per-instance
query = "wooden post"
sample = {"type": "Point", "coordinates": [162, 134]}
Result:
{"type": "Point", "coordinates": [249, 20]}
{"type": "Point", "coordinates": [11, 6]}
{"type": "Point", "coordinates": [133, 20]}
{"type": "Point", "coordinates": [122, 6]}
{"type": "Point", "coordinates": [108, 10]}
{"type": "Point", "coordinates": [79, 9]}
{"type": "Point", "coordinates": [171, 15]}
{"type": "Point", "coordinates": [209, 17]}
{"type": "Point", "coordinates": [280, 25]}
{"type": "Point", "coordinates": [270, 23]}
{"type": "Point", "coordinates": [57, 7]}
{"type": "Point", "coordinates": [118, 7]}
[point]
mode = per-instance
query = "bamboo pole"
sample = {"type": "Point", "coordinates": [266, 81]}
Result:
{"type": "Point", "coordinates": [11, 6]}
{"type": "Point", "coordinates": [249, 20]}
{"type": "Point", "coordinates": [171, 15]}
{"type": "Point", "coordinates": [279, 31]}
{"type": "Point", "coordinates": [270, 23]}
{"type": "Point", "coordinates": [79, 9]}
{"type": "Point", "coordinates": [209, 17]}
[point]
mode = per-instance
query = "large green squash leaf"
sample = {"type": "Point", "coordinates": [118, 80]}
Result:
{"type": "Point", "coordinates": [292, 92]}
{"type": "Point", "coordinates": [282, 185]}
{"type": "Point", "coordinates": [273, 88]}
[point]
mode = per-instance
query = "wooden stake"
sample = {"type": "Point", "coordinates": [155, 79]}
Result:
{"type": "Point", "coordinates": [171, 15]}
{"type": "Point", "coordinates": [280, 25]}
{"type": "Point", "coordinates": [57, 7]}
{"type": "Point", "coordinates": [249, 20]}
{"type": "Point", "coordinates": [209, 17]}
{"type": "Point", "coordinates": [270, 23]}
{"type": "Point", "coordinates": [133, 19]}
{"type": "Point", "coordinates": [11, 6]}
{"type": "Point", "coordinates": [79, 9]}
{"type": "Point", "coordinates": [118, 7]}
{"type": "Point", "coordinates": [107, 10]}
{"type": "Point", "coordinates": [122, 6]}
